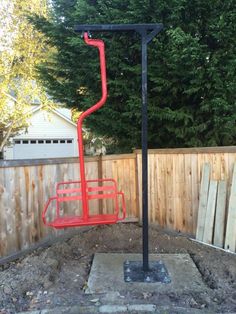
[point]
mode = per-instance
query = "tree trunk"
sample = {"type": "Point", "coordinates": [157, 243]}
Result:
{"type": "Point", "coordinates": [5, 139]}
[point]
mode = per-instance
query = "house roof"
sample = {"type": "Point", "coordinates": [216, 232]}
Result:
{"type": "Point", "coordinates": [57, 112]}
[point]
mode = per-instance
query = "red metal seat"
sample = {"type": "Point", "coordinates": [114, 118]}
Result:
{"type": "Point", "coordinates": [86, 190]}
{"type": "Point", "coordinates": [75, 194]}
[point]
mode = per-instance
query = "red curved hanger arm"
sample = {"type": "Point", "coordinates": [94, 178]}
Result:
{"type": "Point", "coordinates": [101, 47]}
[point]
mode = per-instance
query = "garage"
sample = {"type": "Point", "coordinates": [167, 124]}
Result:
{"type": "Point", "coordinates": [43, 148]}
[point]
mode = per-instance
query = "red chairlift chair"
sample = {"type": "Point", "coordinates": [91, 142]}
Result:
{"type": "Point", "coordinates": [87, 190]}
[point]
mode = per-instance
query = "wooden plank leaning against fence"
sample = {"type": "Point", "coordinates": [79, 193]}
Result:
{"type": "Point", "coordinates": [174, 183]}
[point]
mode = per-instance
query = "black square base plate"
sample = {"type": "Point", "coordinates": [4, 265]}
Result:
{"type": "Point", "coordinates": [133, 272]}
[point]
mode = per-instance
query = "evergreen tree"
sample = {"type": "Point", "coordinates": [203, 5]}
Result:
{"type": "Point", "coordinates": [191, 71]}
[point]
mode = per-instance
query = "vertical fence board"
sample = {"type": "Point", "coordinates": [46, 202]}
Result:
{"type": "Point", "coordinates": [175, 199]}
{"type": "Point", "coordinates": [35, 205]}
{"type": "Point", "coordinates": [187, 194]}
{"type": "Point", "coordinates": [203, 201]}
{"type": "Point", "coordinates": [151, 191]}
{"type": "Point", "coordinates": [108, 170]}
{"type": "Point", "coordinates": [154, 172]}
{"type": "Point", "coordinates": [169, 192]}
{"type": "Point", "coordinates": [3, 214]}
{"type": "Point", "coordinates": [180, 196]}
{"type": "Point", "coordinates": [195, 187]}
{"type": "Point", "coordinates": [134, 210]}
{"type": "Point", "coordinates": [139, 169]}
{"type": "Point", "coordinates": [160, 218]}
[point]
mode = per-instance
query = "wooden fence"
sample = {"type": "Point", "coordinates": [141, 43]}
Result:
{"type": "Point", "coordinates": [26, 185]}
{"type": "Point", "coordinates": [174, 182]}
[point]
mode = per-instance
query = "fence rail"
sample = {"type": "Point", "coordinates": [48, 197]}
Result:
{"type": "Point", "coordinates": [174, 181]}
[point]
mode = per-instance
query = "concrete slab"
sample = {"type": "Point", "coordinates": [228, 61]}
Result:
{"type": "Point", "coordinates": [107, 275]}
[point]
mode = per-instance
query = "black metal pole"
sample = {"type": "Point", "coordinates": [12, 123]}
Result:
{"type": "Point", "coordinates": [147, 32]}
{"type": "Point", "coordinates": [144, 152]}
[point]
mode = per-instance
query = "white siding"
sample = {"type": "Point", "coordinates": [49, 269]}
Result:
{"type": "Point", "coordinates": [45, 124]}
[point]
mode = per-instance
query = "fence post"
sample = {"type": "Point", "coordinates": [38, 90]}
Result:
{"type": "Point", "coordinates": [137, 188]}
{"type": "Point", "coordinates": [100, 174]}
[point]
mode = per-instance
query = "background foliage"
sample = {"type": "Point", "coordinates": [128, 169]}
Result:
{"type": "Point", "coordinates": [191, 72]}
{"type": "Point", "coordinates": [22, 48]}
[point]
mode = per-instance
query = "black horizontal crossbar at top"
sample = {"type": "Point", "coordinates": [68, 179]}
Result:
{"type": "Point", "coordinates": [119, 27]}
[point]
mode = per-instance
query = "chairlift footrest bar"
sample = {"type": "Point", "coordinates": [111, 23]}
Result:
{"type": "Point", "coordinates": [75, 221]}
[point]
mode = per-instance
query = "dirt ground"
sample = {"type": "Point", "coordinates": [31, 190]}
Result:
{"type": "Point", "coordinates": [57, 275]}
